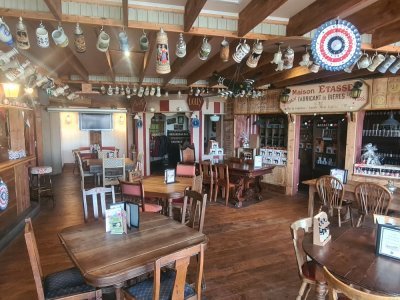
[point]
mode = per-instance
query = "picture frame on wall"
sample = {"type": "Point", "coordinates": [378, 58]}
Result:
{"type": "Point", "coordinates": [180, 120]}
{"type": "Point", "coordinates": [171, 121]}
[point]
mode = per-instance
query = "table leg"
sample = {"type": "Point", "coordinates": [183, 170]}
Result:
{"type": "Point", "coordinates": [311, 193]}
{"type": "Point", "coordinates": [170, 214]}
{"type": "Point", "coordinates": [118, 291]}
{"type": "Point", "coordinates": [321, 290]}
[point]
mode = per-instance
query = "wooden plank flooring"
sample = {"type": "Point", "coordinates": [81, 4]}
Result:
{"type": "Point", "coordinates": [249, 256]}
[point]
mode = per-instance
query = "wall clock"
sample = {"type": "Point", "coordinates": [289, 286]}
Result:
{"type": "Point", "coordinates": [336, 45]}
{"type": "Point", "coordinates": [3, 195]}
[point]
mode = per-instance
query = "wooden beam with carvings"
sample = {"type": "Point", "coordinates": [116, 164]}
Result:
{"type": "Point", "coordinates": [213, 64]}
{"type": "Point", "coordinates": [55, 8]}
{"type": "Point", "coordinates": [376, 15]}
{"type": "Point", "coordinates": [386, 35]}
{"type": "Point", "coordinates": [255, 12]}
{"type": "Point", "coordinates": [146, 59]}
{"type": "Point", "coordinates": [192, 51]}
{"type": "Point", "coordinates": [125, 13]}
{"type": "Point", "coordinates": [192, 11]}
{"type": "Point", "coordinates": [317, 13]}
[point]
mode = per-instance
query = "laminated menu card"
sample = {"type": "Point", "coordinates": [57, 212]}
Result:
{"type": "Point", "coordinates": [388, 239]}
{"type": "Point", "coordinates": [116, 220]}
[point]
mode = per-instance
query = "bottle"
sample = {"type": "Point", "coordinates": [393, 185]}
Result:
{"type": "Point", "coordinates": [13, 74]}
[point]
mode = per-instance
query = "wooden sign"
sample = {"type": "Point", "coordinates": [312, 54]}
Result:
{"type": "Point", "coordinates": [267, 104]}
{"type": "Point", "coordinates": [326, 97]}
{"type": "Point", "coordinates": [139, 105]}
{"type": "Point", "coordinates": [195, 102]}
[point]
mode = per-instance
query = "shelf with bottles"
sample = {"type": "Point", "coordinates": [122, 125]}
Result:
{"type": "Point", "coordinates": [273, 130]}
{"type": "Point", "coordinates": [384, 171]}
{"type": "Point", "coordinates": [381, 124]}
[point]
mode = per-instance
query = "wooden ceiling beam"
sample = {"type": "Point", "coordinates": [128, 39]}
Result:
{"type": "Point", "coordinates": [146, 59]}
{"type": "Point", "coordinates": [211, 65]}
{"type": "Point", "coordinates": [192, 10]}
{"type": "Point", "coordinates": [283, 75]}
{"type": "Point", "coordinates": [192, 51]}
{"type": "Point", "coordinates": [254, 13]}
{"type": "Point", "coordinates": [386, 35]}
{"type": "Point", "coordinates": [110, 64]}
{"type": "Point", "coordinates": [125, 13]}
{"type": "Point", "coordinates": [386, 12]}
{"type": "Point", "coordinates": [55, 8]}
{"type": "Point", "coordinates": [356, 74]}
{"type": "Point", "coordinates": [317, 13]}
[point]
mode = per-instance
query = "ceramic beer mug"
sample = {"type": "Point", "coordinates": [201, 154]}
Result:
{"type": "Point", "coordinates": [277, 57]}
{"type": "Point", "coordinates": [288, 57]}
{"type": "Point", "coordinates": [205, 50]}
{"type": "Point", "coordinates": [22, 35]}
{"type": "Point", "coordinates": [395, 66]}
{"type": "Point", "coordinates": [255, 55]}
{"type": "Point", "coordinates": [123, 41]}
{"type": "Point", "coordinates": [5, 34]}
{"type": "Point", "coordinates": [364, 61]}
{"type": "Point", "coordinates": [5, 58]}
{"type": "Point", "coordinates": [109, 90]}
{"type": "Point", "coordinates": [59, 37]}
{"type": "Point", "coordinates": [386, 64]}
{"type": "Point", "coordinates": [224, 51]}
{"type": "Point", "coordinates": [242, 49]}
{"type": "Point", "coordinates": [103, 41]}
{"type": "Point", "coordinates": [42, 36]}
{"type": "Point", "coordinates": [314, 68]}
{"type": "Point", "coordinates": [144, 42]}
{"type": "Point", "coordinates": [377, 59]}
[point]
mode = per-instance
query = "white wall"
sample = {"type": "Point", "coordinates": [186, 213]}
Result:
{"type": "Point", "coordinates": [73, 138]}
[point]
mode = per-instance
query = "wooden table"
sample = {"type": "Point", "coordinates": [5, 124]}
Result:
{"type": "Point", "coordinates": [154, 186]}
{"type": "Point", "coordinates": [247, 173]}
{"type": "Point", "coordinates": [350, 256]}
{"type": "Point", "coordinates": [348, 195]}
{"type": "Point", "coordinates": [105, 259]}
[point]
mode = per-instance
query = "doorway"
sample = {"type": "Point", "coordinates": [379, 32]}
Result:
{"type": "Point", "coordinates": [212, 131]}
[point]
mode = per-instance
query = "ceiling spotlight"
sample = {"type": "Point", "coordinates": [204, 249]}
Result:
{"type": "Point", "coordinates": [127, 53]}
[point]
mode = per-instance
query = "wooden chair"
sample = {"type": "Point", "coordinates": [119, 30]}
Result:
{"type": "Point", "coordinates": [132, 191]}
{"type": "Point", "coordinates": [197, 203]}
{"type": "Point", "coordinates": [335, 287]}
{"type": "Point", "coordinates": [185, 170]}
{"type": "Point", "coordinates": [84, 173]}
{"type": "Point", "coordinates": [98, 191]}
{"type": "Point", "coordinates": [306, 268]}
{"type": "Point", "coordinates": [371, 199]}
{"type": "Point", "coordinates": [331, 192]}
{"type": "Point", "coordinates": [65, 284]}
{"type": "Point", "coordinates": [187, 154]}
{"type": "Point", "coordinates": [107, 154]}
{"type": "Point", "coordinates": [113, 170]}
{"type": "Point", "coordinates": [206, 169]}
{"type": "Point", "coordinates": [171, 283]}
{"type": "Point", "coordinates": [222, 182]}
{"type": "Point", "coordinates": [197, 186]}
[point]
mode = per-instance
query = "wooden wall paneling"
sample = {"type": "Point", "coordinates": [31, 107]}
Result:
{"type": "Point", "coordinates": [379, 93]}
{"type": "Point", "coordinates": [95, 137]}
{"type": "Point", "coordinates": [277, 177]}
{"type": "Point", "coordinates": [38, 137]}
{"type": "Point", "coordinates": [228, 141]}
{"type": "Point", "coordinates": [16, 129]}
{"type": "Point", "coordinates": [10, 214]}
{"type": "Point", "coordinates": [22, 187]}
{"type": "Point", "coordinates": [29, 132]}
{"type": "Point", "coordinates": [240, 106]}
{"type": "Point", "coordinates": [240, 127]}
{"type": "Point", "coordinates": [393, 92]}
{"type": "Point", "coordinates": [292, 167]}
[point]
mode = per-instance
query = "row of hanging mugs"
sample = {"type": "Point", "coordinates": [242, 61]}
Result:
{"type": "Point", "coordinates": [128, 92]}
{"type": "Point", "coordinates": [378, 62]}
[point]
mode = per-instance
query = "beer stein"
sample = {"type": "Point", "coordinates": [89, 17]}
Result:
{"type": "Point", "coordinates": [180, 47]}
{"type": "Point", "coordinates": [255, 55]}
{"type": "Point", "coordinates": [42, 36]}
{"type": "Point", "coordinates": [377, 59]}
{"type": "Point", "coordinates": [364, 61]}
{"type": "Point", "coordinates": [144, 42]}
{"type": "Point", "coordinates": [224, 51]}
{"type": "Point", "coordinates": [314, 68]}
{"type": "Point", "coordinates": [79, 42]}
{"type": "Point", "coordinates": [205, 50]}
{"type": "Point", "coordinates": [59, 37]}
{"type": "Point", "coordinates": [103, 41]}
{"type": "Point", "coordinates": [386, 64]}
{"type": "Point", "coordinates": [5, 34]}
{"type": "Point", "coordinates": [288, 57]}
{"type": "Point", "coordinates": [242, 49]}
{"type": "Point", "coordinates": [395, 66]}
{"type": "Point", "coordinates": [22, 35]}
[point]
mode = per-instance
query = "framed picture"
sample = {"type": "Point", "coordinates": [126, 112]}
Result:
{"type": "Point", "coordinates": [171, 121]}
{"type": "Point", "coordinates": [178, 127]}
{"type": "Point", "coordinates": [340, 174]}
{"type": "Point", "coordinates": [180, 120]}
{"type": "Point", "coordinates": [388, 241]}
{"type": "Point", "coordinates": [169, 176]}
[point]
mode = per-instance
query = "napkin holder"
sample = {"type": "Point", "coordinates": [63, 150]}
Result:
{"type": "Point", "coordinates": [321, 234]}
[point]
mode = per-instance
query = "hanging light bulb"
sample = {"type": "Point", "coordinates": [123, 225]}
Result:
{"type": "Point", "coordinates": [179, 94]}
{"type": "Point", "coordinates": [123, 42]}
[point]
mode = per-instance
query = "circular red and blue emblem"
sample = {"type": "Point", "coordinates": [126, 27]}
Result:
{"type": "Point", "coordinates": [3, 195]}
{"type": "Point", "coordinates": [336, 45]}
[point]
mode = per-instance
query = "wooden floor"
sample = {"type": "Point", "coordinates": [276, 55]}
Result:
{"type": "Point", "coordinates": [249, 256]}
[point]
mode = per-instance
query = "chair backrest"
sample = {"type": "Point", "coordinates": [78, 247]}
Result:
{"type": "Point", "coordinates": [372, 198]}
{"type": "Point", "coordinates": [113, 169]}
{"type": "Point", "coordinates": [112, 148]}
{"type": "Point", "coordinates": [330, 191]}
{"type": "Point", "coordinates": [34, 258]}
{"type": "Point", "coordinates": [133, 191]}
{"type": "Point", "coordinates": [206, 170]}
{"type": "Point", "coordinates": [298, 229]}
{"type": "Point", "coordinates": [94, 193]}
{"type": "Point", "coordinates": [198, 202]}
{"type": "Point", "coordinates": [185, 170]}
{"type": "Point", "coordinates": [181, 260]}
{"type": "Point", "coordinates": [84, 148]}
{"type": "Point", "coordinates": [187, 154]}
{"type": "Point", "coordinates": [197, 183]}
{"type": "Point", "coordinates": [336, 286]}
{"type": "Point", "coordinates": [222, 173]}
{"type": "Point", "coordinates": [107, 154]}
{"type": "Point", "coordinates": [78, 157]}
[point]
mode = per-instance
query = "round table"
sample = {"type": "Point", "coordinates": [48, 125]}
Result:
{"type": "Point", "coordinates": [350, 256]}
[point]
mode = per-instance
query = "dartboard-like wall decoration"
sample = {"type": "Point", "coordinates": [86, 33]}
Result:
{"type": "Point", "coordinates": [3, 195]}
{"type": "Point", "coordinates": [336, 45]}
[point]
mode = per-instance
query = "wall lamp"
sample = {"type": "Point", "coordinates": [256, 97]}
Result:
{"type": "Point", "coordinates": [284, 96]}
{"type": "Point", "coordinates": [356, 90]}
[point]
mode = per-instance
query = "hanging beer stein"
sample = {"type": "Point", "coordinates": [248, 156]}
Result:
{"type": "Point", "coordinates": [242, 49]}
{"type": "Point", "coordinates": [205, 50]}
{"type": "Point", "coordinates": [390, 59]}
{"type": "Point", "coordinates": [122, 90]}
{"type": "Point", "coordinates": [144, 42]}
{"type": "Point", "coordinates": [5, 34]}
{"type": "Point", "coordinates": [79, 42]}
{"type": "Point", "coordinates": [42, 36]}
{"type": "Point", "coordinates": [162, 65]}
{"type": "Point", "coordinates": [103, 41]}
{"type": "Point", "coordinates": [180, 47]}
{"type": "Point", "coordinates": [59, 37]}
{"type": "Point", "coordinates": [288, 57]}
{"type": "Point", "coordinates": [255, 55]}
{"type": "Point", "coordinates": [109, 90]}
{"type": "Point", "coordinates": [22, 35]}
{"type": "Point", "coordinates": [123, 41]}
{"type": "Point", "coordinates": [103, 90]}
{"type": "Point", "coordinates": [116, 90]}
{"type": "Point", "coordinates": [224, 50]}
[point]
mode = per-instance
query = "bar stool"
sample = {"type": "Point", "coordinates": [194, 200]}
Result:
{"type": "Point", "coordinates": [41, 181]}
